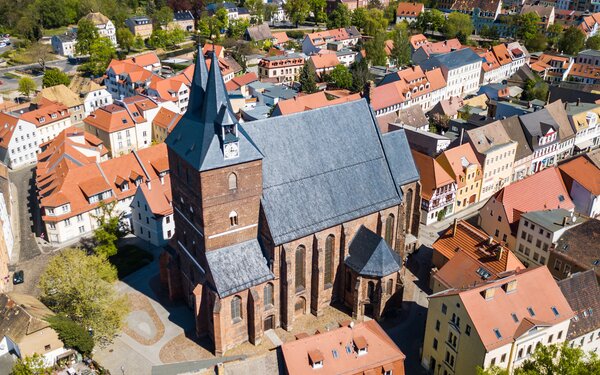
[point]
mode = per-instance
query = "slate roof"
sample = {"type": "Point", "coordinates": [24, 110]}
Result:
{"type": "Point", "coordinates": [237, 267]}
{"type": "Point", "coordinates": [184, 15]}
{"type": "Point", "coordinates": [451, 60]}
{"type": "Point", "coordinates": [259, 32]}
{"type": "Point", "coordinates": [581, 291]}
{"type": "Point", "coordinates": [67, 37]}
{"type": "Point", "coordinates": [580, 245]}
{"type": "Point", "coordinates": [401, 163]}
{"type": "Point", "coordinates": [370, 255]}
{"type": "Point", "coordinates": [195, 138]}
{"type": "Point", "coordinates": [513, 128]}
{"type": "Point", "coordinates": [572, 95]}
{"type": "Point", "coordinates": [551, 220]}
{"type": "Point", "coordinates": [308, 158]}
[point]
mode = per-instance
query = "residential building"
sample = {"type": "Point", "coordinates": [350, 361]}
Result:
{"type": "Point", "coordinates": [258, 33]}
{"type": "Point", "coordinates": [18, 141]}
{"type": "Point", "coordinates": [148, 61]}
{"type": "Point", "coordinates": [105, 26]}
{"type": "Point", "coordinates": [494, 323]}
{"type": "Point", "coordinates": [523, 152]}
{"type": "Point", "coordinates": [422, 49]}
{"type": "Point", "coordinates": [499, 217]}
{"type": "Point", "coordinates": [584, 120]}
{"type": "Point", "coordinates": [464, 255]}
{"type": "Point", "coordinates": [411, 118]}
{"type": "Point", "coordinates": [581, 291]}
{"type": "Point", "coordinates": [590, 24]}
{"type": "Point", "coordinates": [351, 349]}
{"type": "Point", "coordinates": [482, 12]}
{"type": "Point", "coordinates": [24, 329]}
{"type": "Point", "coordinates": [64, 44]}
{"type": "Point", "coordinates": [314, 42]}
{"type": "Point", "coordinates": [409, 12]}
{"type": "Point", "coordinates": [174, 90]}
{"type": "Point", "coordinates": [496, 153]}
{"type": "Point", "coordinates": [184, 20]}
{"type": "Point", "coordinates": [573, 253]}
{"type": "Point", "coordinates": [408, 87]}
{"type": "Point", "coordinates": [91, 94]}
{"type": "Point", "coordinates": [230, 267]}
{"type": "Point", "coordinates": [69, 193]}
{"type": "Point", "coordinates": [461, 69]}
{"type": "Point", "coordinates": [152, 212]}
{"type": "Point", "coordinates": [124, 78]}
{"type": "Point", "coordinates": [309, 102]}
{"type": "Point", "coordinates": [438, 189]}
{"type": "Point", "coordinates": [519, 55]}
{"type": "Point", "coordinates": [462, 165]}
{"type": "Point", "coordinates": [284, 68]}
{"type": "Point", "coordinates": [582, 181]}
{"type": "Point", "coordinates": [280, 38]}
{"type": "Point", "coordinates": [50, 119]}
{"type": "Point", "coordinates": [164, 122]}
{"type": "Point", "coordinates": [447, 108]}
{"type": "Point", "coordinates": [323, 63]}
{"type": "Point", "coordinates": [546, 14]}
{"type": "Point", "coordinates": [427, 143]}
{"type": "Point", "coordinates": [539, 231]}
{"type": "Point", "coordinates": [63, 95]}
{"type": "Point", "coordinates": [139, 26]}
{"type": "Point", "coordinates": [73, 144]}
{"type": "Point", "coordinates": [552, 68]}
{"type": "Point", "coordinates": [231, 8]}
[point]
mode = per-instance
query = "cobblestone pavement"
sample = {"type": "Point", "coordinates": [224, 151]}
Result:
{"type": "Point", "coordinates": [28, 218]}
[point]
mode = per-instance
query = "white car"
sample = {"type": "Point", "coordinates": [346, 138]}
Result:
{"type": "Point", "coordinates": [2, 45]}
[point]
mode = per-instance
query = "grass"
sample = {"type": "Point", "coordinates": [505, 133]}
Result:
{"type": "Point", "coordinates": [129, 259]}
{"type": "Point", "coordinates": [11, 75]}
{"type": "Point", "coordinates": [57, 31]}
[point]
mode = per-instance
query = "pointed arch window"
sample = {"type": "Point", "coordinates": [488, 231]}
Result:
{"type": "Point", "coordinates": [236, 309]}
{"type": "Point", "coordinates": [329, 246]}
{"type": "Point", "coordinates": [299, 274]}
{"type": "Point", "coordinates": [232, 181]}
{"type": "Point", "coordinates": [268, 295]}
{"type": "Point", "coordinates": [389, 229]}
{"type": "Point", "coordinates": [233, 218]}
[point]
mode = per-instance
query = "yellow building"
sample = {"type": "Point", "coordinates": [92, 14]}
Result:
{"type": "Point", "coordinates": [463, 166]}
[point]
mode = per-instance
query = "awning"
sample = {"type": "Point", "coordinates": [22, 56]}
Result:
{"type": "Point", "coordinates": [585, 144]}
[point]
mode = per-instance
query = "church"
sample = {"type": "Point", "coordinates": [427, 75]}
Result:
{"type": "Point", "coordinates": [282, 217]}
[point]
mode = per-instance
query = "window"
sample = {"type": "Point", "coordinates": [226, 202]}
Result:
{"type": "Point", "coordinates": [236, 309]}
{"type": "Point", "coordinates": [233, 218]}
{"type": "Point", "coordinates": [557, 264]}
{"type": "Point", "coordinates": [538, 244]}
{"type": "Point", "coordinates": [514, 316]}
{"type": "Point", "coordinates": [268, 295]}
{"type": "Point", "coordinates": [299, 271]}
{"type": "Point", "coordinates": [232, 181]}
{"type": "Point", "coordinates": [468, 330]}
{"type": "Point", "coordinates": [444, 308]}
{"type": "Point", "coordinates": [67, 222]}
{"type": "Point", "coordinates": [81, 229]}
{"type": "Point", "coordinates": [435, 344]}
{"type": "Point", "coordinates": [503, 358]}
{"type": "Point", "coordinates": [390, 286]}
{"type": "Point", "coordinates": [550, 339]}
{"type": "Point", "coordinates": [389, 229]}
{"type": "Point", "coordinates": [329, 245]}
{"type": "Point", "coordinates": [496, 233]}
{"type": "Point", "coordinates": [47, 347]}
{"type": "Point", "coordinates": [437, 325]}
{"type": "Point", "coordinates": [493, 362]}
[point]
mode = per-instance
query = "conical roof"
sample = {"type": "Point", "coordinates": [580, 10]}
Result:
{"type": "Point", "coordinates": [370, 255]}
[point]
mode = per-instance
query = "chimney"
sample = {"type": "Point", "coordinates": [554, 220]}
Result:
{"type": "Point", "coordinates": [149, 185]}
{"type": "Point", "coordinates": [368, 90]}
{"type": "Point", "coordinates": [500, 252]}
{"type": "Point", "coordinates": [565, 221]}
{"type": "Point", "coordinates": [462, 133]}
{"type": "Point", "coordinates": [490, 240]}
{"type": "Point", "coordinates": [454, 227]}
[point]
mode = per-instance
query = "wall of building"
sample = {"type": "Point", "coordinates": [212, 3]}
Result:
{"type": "Point", "coordinates": [497, 169]}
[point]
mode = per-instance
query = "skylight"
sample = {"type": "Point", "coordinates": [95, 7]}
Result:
{"type": "Point", "coordinates": [483, 273]}
{"type": "Point", "coordinates": [515, 318]}
{"type": "Point", "coordinates": [530, 310]}
{"type": "Point", "coordinates": [497, 333]}
{"type": "Point", "coordinates": [555, 311]}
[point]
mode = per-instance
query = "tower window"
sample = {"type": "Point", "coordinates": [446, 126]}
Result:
{"type": "Point", "coordinates": [232, 181]}
{"type": "Point", "coordinates": [233, 218]}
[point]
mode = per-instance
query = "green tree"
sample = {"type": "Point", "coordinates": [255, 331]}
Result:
{"type": "Point", "coordinates": [535, 89]}
{"type": "Point", "coordinates": [256, 8]}
{"type": "Point", "coordinates": [360, 74]}
{"type": "Point", "coordinates": [163, 16]}
{"type": "Point", "coordinates": [317, 8]}
{"type": "Point", "coordinates": [593, 42]}
{"type": "Point", "coordinates": [109, 230]}
{"type": "Point", "coordinates": [339, 17]}
{"type": "Point", "coordinates": [489, 33]}
{"type": "Point", "coordinates": [33, 365]}
{"type": "Point", "coordinates": [494, 370]}
{"type": "Point", "coordinates": [401, 51]}
{"type": "Point", "coordinates": [375, 23]}
{"type": "Point", "coordinates": [222, 18]}
{"type": "Point", "coordinates": [458, 25]}
{"type": "Point", "coordinates": [296, 10]}
{"type": "Point", "coordinates": [341, 77]}
{"type": "Point", "coordinates": [87, 33]}
{"type": "Point", "coordinates": [138, 43]}
{"type": "Point", "coordinates": [375, 50]}
{"type": "Point", "coordinates": [527, 26]}
{"type": "Point", "coordinates": [359, 18]}
{"type": "Point", "coordinates": [307, 79]}
{"type": "Point", "coordinates": [125, 38]}
{"type": "Point", "coordinates": [237, 28]}
{"type": "Point", "coordinates": [72, 334]}
{"type": "Point", "coordinates": [553, 34]}
{"type": "Point", "coordinates": [81, 287]}
{"type": "Point", "coordinates": [150, 7]}
{"type": "Point", "coordinates": [537, 43]}
{"type": "Point", "coordinates": [269, 11]}
{"type": "Point", "coordinates": [54, 77]}
{"type": "Point", "coordinates": [432, 20]}
{"type": "Point", "coordinates": [564, 360]}
{"type": "Point", "coordinates": [390, 11]}
{"type": "Point", "coordinates": [571, 41]}
{"type": "Point", "coordinates": [26, 86]}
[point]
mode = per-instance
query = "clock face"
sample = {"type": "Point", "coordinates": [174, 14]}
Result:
{"type": "Point", "coordinates": [231, 151]}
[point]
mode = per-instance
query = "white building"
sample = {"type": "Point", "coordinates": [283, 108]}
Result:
{"type": "Point", "coordinates": [152, 212]}
{"type": "Point", "coordinates": [314, 42]}
{"type": "Point", "coordinates": [9, 239]}
{"type": "Point", "coordinates": [50, 119]}
{"type": "Point", "coordinates": [581, 178]}
{"type": "Point", "coordinates": [105, 26]}
{"type": "Point", "coordinates": [92, 94]}
{"type": "Point", "coordinates": [18, 141]}
{"type": "Point", "coordinates": [461, 69]}
{"type": "Point", "coordinates": [64, 44]}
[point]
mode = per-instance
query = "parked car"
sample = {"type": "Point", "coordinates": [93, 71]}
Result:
{"type": "Point", "coordinates": [18, 277]}
{"type": "Point", "coordinates": [2, 45]}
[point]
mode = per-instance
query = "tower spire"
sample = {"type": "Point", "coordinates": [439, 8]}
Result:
{"type": "Point", "coordinates": [199, 81]}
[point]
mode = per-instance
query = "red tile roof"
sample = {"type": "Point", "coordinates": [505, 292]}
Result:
{"type": "Point", "coordinates": [166, 119]}
{"type": "Point", "coordinates": [110, 118]}
{"type": "Point", "coordinates": [311, 101]}
{"type": "Point", "coordinates": [237, 82]}
{"type": "Point", "coordinates": [409, 9]}
{"type": "Point", "coordinates": [433, 176]}
{"type": "Point", "coordinates": [8, 125]}
{"type": "Point", "coordinates": [584, 172]}
{"type": "Point", "coordinates": [48, 113]}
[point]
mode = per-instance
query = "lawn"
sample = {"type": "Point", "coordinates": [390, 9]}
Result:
{"type": "Point", "coordinates": [57, 31]}
{"type": "Point", "coordinates": [129, 259]}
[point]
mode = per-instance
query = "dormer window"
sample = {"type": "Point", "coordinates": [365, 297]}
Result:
{"type": "Point", "coordinates": [315, 359]}
{"type": "Point", "coordinates": [53, 115]}
{"type": "Point", "coordinates": [125, 186]}
{"type": "Point", "coordinates": [361, 345]}
{"type": "Point", "coordinates": [42, 119]}
{"type": "Point", "coordinates": [233, 218]}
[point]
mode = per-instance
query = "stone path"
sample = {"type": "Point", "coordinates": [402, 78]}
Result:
{"type": "Point", "coordinates": [273, 337]}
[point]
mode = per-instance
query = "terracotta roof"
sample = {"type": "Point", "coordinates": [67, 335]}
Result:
{"type": "Point", "coordinates": [168, 88]}
{"type": "Point", "coordinates": [46, 114]}
{"type": "Point", "coordinates": [409, 9]}
{"type": "Point", "coordinates": [59, 94]}
{"type": "Point", "coordinates": [325, 60]}
{"type": "Point", "coordinates": [110, 118]}
{"type": "Point", "coordinates": [159, 197]}
{"type": "Point", "coordinates": [475, 243]}
{"type": "Point", "coordinates": [381, 351]}
{"type": "Point", "coordinates": [584, 172]}
{"type": "Point", "coordinates": [432, 174]}
{"type": "Point", "coordinates": [489, 61]}
{"type": "Point", "coordinates": [456, 159]}
{"type": "Point", "coordinates": [207, 48]}
{"type": "Point", "coordinates": [417, 40]}
{"type": "Point", "coordinates": [145, 59]}
{"type": "Point", "coordinates": [437, 48]}
{"type": "Point", "coordinates": [502, 54]}
{"type": "Point", "coordinates": [8, 124]}
{"type": "Point", "coordinates": [280, 38]}
{"type": "Point", "coordinates": [133, 72]}
{"type": "Point", "coordinates": [73, 145]}
{"type": "Point", "coordinates": [239, 81]}
{"type": "Point", "coordinates": [493, 319]}
{"type": "Point", "coordinates": [166, 119]}
{"type": "Point", "coordinates": [585, 70]}
{"type": "Point", "coordinates": [524, 195]}
{"type": "Point", "coordinates": [322, 37]}
{"type": "Point", "coordinates": [311, 101]}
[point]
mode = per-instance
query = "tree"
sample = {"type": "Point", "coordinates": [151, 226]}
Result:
{"type": "Point", "coordinates": [102, 51]}
{"type": "Point", "coordinates": [537, 89]}
{"type": "Point", "coordinates": [41, 53]}
{"type": "Point", "coordinates": [138, 43]}
{"type": "Point", "coordinates": [390, 11]}
{"type": "Point", "coordinates": [109, 230]}
{"type": "Point", "coordinates": [72, 334]}
{"type": "Point", "coordinates": [360, 74]}
{"type": "Point", "coordinates": [318, 9]}
{"type": "Point", "coordinates": [359, 18]}
{"type": "Point", "coordinates": [125, 38]}
{"type": "Point", "coordinates": [537, 43]}
{"type": "Point", "coordinates": [375, 22]}
{"type": "Point", "coordinates": [296, 10]}
{"type": "Point", "coordinates": [401, 50]}
{"type": "Point", "coordinates": [307, 78]}
{"type": "Point", "coordinates": [458, 24]}
{"type": "Point", "coordinates": [86, 35]}
{"type": "Point", "coordinates": [163, 16]}
{"type": "Point", "coordinates": [339, 17]}
{"type": "Point", "coordinates": [527, 26]}
{"type": "Point", "coordinates": [571, 41]}
{"type": "Point", "coordinates": [222, 18]}
{"type": "Point", "coordinates": [237, 28]}
{"type": "Point", "coordinates": [593, 42]}
{"type": "Point", "coordinates": [81, 287]}
{"type": "Point", "coordinates": [432, 20]}
{"type": "Point", "coordinates": [489, 33]}
{"type": "Point", "coordinates": [555, 359]}
{"type": "Point", "coordinates": [341, 77]}
{"type": "Point", "coordinates": [33, 365]}
{"type": "Point", "coordinates": [26, 86]}
{"type": "Point", "coordinates": [150, 8]}
{"type": "Point", "coordinates": [269, 10]}
{"type": "Point", "coordinates": [375, 50]}
{"type": "Point", "coordinates": [494, 370]}
{"type": "Point", "coordinates": [553, 34]}
{"type": "Point", "coordinates": [256, 8]}
{"type": "Point", "coordinates": [54, 77]}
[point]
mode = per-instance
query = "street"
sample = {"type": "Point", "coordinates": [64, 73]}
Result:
{"type": "Point", "coordinates": [10, 84]}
